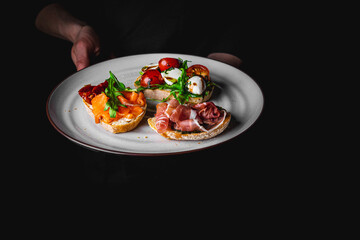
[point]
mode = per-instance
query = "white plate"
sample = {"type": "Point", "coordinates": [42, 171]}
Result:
{"type": "Point", "coordinates": [238, 94]}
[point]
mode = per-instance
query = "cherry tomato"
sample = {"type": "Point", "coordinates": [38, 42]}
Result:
{"type": "Point", "coordinates": [151, 77]}
{"type": "Point", "coordinates": [198, 70]}
{"type": "Point", "coordinates": [166, 63]}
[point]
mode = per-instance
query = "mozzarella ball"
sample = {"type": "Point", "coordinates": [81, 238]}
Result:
{"type": "Point", "coordinates": [196, 85]}
{"type": "Point", "coordinates": [171, 76]}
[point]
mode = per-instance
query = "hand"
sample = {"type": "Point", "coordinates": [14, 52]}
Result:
{"type": "Point", "coordinates": [85, 45]}
{"type": "Point", "coordinates": [226, 58]}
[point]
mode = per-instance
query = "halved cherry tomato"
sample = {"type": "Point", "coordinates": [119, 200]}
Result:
{"type": "Point", "coordinates": [166, 63]}
{"type": "Point", "coordinates": [198, 70]}
{"type": "Point", "coordinates": [151, 77]}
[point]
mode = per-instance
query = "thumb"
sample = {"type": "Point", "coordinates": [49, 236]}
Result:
{"type": "Point", "coordinates": [80, 55]}
{"type": "Point", "coordinates": [82, 63]}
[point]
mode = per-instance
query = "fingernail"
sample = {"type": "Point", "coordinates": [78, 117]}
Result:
{"type": "Point", "coordinates": [80, 67]}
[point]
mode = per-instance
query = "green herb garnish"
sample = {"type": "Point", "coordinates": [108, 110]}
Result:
{"type": "Point", "coordinates": [179, 89]}
{"type": "Point", "coordinates": [114, 90]}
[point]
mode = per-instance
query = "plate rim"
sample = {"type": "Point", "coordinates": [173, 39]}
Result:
{"type": "Point", "coordinates": [97, 148]}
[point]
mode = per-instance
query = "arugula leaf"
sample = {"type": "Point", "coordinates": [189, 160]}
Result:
{"type": "Point", "coordinates": [112, 112]}
{"type": "Point", "coordinates": [184, 63]}
{"type": "Point", "coordinates": [179, 89]}
{"type": "Point", "coordinates": [167, 70]}
{"type": "Point", "coordinates": [114, 90]}
{"type": "Point", "coordinates": [119, 85]}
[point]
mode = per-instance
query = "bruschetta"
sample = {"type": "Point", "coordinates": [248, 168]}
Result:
{"type": "Point", "coordinates": [171, 78]}
{"type": "Point", "coordinates": [189, 122]}
{"type": "Point", "coordinates": [116, 108]}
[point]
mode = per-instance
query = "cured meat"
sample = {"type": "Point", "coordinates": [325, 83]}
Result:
{"type": "Point", "coordinates": [188, 125]}
{"type": "Point", "coordinates": [132, 98]}
{"type": "Point", "coordinates": [162, 121]}
{"type": "Point", "coordinates": [172, 105]}
{"type": "Point", "coordinates": [186, 118]}
{"type": "Point", "coordinates": [163, 113]}
{"type": "Point", "coordinates": [98, 104]}
{"type": "Point", "coordinates": [160, 109]}
{"type": "Point", "coordinates": [207, 110]}
{"type": "Point", "coordinates": [134, 102]}
{"type": "Point", "coordinates": [88, 92]}
{"type": "Point", "coordinates": [181, 113]}
{"type": "Point", "coordinates": [209, 113]}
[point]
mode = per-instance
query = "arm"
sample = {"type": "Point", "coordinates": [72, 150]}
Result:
{"type": "Point", "coordinates": [56, 21]}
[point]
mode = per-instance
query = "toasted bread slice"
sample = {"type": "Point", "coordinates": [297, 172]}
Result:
{"type": "Point", "coordinates": [177, 135]}
{"type": "Point", "coordinates": [119, 126]}
{"type": "Point", "coordinates": [160, 94]}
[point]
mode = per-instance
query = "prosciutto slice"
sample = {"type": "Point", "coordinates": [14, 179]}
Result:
{"type": "Point", "coordinates": [188, 125]}
{"type": "Point", "coordinates": [162, 120]}
{"type": "Point", "coordinates": [207, 110]}
{"type": "Point", "coordinates": [181, 112]}
{"type": "Point", "coordinates": [172, 105]}
{"type": "Point", "coordinates": [187, 118]}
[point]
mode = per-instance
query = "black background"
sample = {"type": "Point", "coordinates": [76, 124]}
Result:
{"type": "Point", "coordinates": [287, 171]}
{"type": "Point", "coordinates": [267, 158]}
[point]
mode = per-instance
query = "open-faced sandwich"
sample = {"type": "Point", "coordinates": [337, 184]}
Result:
{"type": "Point", "coordinates": [172, 78]}
{"type": "Point", "coordinates": [117, 108]}
{"type": "Point", "coordinates": [189, 122]}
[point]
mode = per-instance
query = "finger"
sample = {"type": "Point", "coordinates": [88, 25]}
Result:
{"type": "Point", "coordinates": [81, 64]}
{"type": "Point", "coordinates": [80, 55]}
{"type": "Point", "coordinates": [97, 51]}
{"type": "Point", "coordinates": [93, 40]}
{"type": "Point", "coordinates": [226, 58]}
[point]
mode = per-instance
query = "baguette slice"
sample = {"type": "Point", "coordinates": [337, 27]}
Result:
{"type": "Point", "coordinates": [119, 126]}
{"type": "Point", "coordinates": [176, 135]}
{"type": "Point", "coordinates": [160, 94]}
